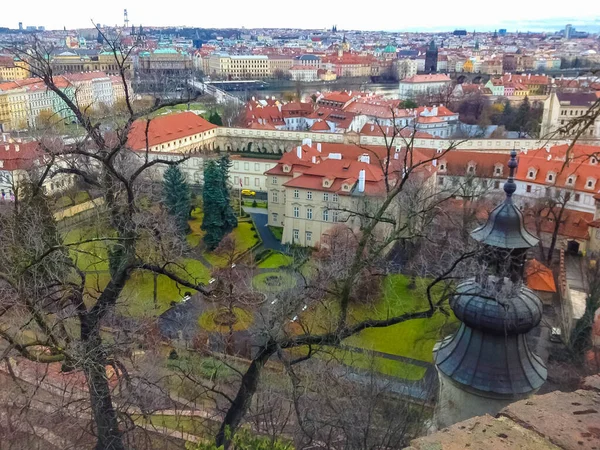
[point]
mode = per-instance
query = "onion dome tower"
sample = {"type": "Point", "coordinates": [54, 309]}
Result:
{"type": "Point", "coordinates": [487, 363]}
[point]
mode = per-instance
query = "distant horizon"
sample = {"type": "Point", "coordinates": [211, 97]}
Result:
{"type": "Point", "coordinates": [385, 16]}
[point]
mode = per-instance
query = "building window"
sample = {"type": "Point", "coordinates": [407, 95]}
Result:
{"type": "Point", "coordinates": [577, 197]}
{"type": "Point", "coordinates": [309, 195]}
{"type": "Point", "coordinates": [246, 181]}
{"type": "Point", "coordinates": [496, 185]}
{"type": "Point", "coordinates": [334, 216]}
{"type": "Point", "coordinates": [257, 182]}
{"type": "Point", "coordinates": [334, 198]}
{"type": "Point", "coordinates": [246, 166]}
{"type": "Point", "coordinates": [570, 180]}
{"type": "Point", "coordinates": [308, 236]}
{"type": "Point", "coordinates": [531, 174]}
{"type": "Point", "coordinates": [528, 188]}
{"type": "Point", "coordinates": [256, 166]}
{"type": "Point", "coordinates": [441, 181]}
{"type": "Point", "coordinates": [275, 197]}
{"type": "Point", "coordinates": [296, 193]}
{"type": "Point", "coordinates": [275, 217]}
{"type": "Point", "coordinates": [309, 213]}
{"type": "Point", "coordinates": [236, 180]}
{"type": "Point", "coordinates": [325, 196]}
{"type": "Point", "coordinates": [550, 177]}
{"type": "Point", "coordinates": [296, 212]}
{"type": "Point", "coordinates": [296, 235]}
{"type": "Point", "coordinates": [325, 215]}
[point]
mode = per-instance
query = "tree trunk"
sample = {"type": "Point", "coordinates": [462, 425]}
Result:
{"type": "Point", "coordinates": [105, 418]}
{"type": "Point", "coordinates": [555, 235]}
{"type": "Point", "coordinates": [242, 400]}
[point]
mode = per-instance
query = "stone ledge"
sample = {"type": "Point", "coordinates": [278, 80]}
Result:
{"type": "Point", "coordinates": [558, 420]}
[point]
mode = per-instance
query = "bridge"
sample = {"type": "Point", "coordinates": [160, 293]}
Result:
{"type": "Point", "coordinates": [239, 85]}
{"type": "Point", "coordinates": [219, 95]}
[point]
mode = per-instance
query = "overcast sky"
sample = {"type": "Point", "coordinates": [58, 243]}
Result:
{"type": "Point", "coordinates": [391, 15]}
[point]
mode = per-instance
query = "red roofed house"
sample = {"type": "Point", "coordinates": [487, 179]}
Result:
{"type": "Point", "coordinates": [573, 177]}
{"type": "Point", "coordinates": [172, 133]}
{"type": "Point", "coordinates": [17, 159]}
{"type": "Point", "coordinates": [311, 184]}
{"type": "Point", "coordinates": [423, 84]}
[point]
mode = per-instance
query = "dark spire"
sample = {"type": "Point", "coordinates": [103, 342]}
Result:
{"type": "Point", "coordinates": [504, 227]}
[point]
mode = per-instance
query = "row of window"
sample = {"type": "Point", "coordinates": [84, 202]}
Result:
{"type": "Point", "coordinates": [236, 166]}
{"type": "Point", "coordinates": [309, 195]}
{"type": "Point", "coordinates": [324, 216]}
{"type": "Point", "coordinates": [307, 236]}
{"type": "Point", "coordinates": [246, 182]}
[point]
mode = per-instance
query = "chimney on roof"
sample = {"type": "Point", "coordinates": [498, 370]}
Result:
{"type": "Point", "coordinates": [319, 147]}
{"type": "Point", "coordinates": [299, 152]}
{"type": "Point", "coordinates": [365, 158]}
{"type": "Point", "coordinates": [314, 159]}
{"type": "Point", "coordinates": [396, 155]}
{"type": "Point", "coordinates": [7, 147]}
{"type": "Point", "coordinates": [17, 147]}
{"type": "Point", "coordinates": [361, 180]}
{"type": "Point", "coordinates": [528, 76]}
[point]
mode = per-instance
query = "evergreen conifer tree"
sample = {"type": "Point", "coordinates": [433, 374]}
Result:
{"type": "Point", "coordinates": [177, 197]}
{"type": "Point", "coordinates": [229, 219]}
{"type": "Point", "coordinates": [215, 119]}
{"type": "Point", "coordinates": [213, 201]}
{"type": "Point", "coordinates": [219, 218]}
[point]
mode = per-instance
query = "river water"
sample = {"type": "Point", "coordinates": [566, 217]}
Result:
{"type": "Point", "coordinates": [389, 90]}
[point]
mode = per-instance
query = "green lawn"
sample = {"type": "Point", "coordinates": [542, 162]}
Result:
{"type": "Point", "coordinates": [244, 320]}
{"type": "Point", "coordinates": [244, 240]}
{"type": "Point", "coordinates": [259, 203]}
{"type": "Point", "coordinates": [413, 339]}
{"type": "Point", "coordinates": [275, 260]}
{"type": "Point", "coordinates": [197, 426]}
{"type": "Point", "coordinates": [277, 232]}
{"type": "Point", "coordinates": [274, 282]}
{"type": "Point", "coordinates": [196, 235]}
{"type": "Point", "coordinates": [89, 256]}
{"type": "Point", "coordinates": [137, 298]}
{"type": "Point", "coordinates": [65, 201]}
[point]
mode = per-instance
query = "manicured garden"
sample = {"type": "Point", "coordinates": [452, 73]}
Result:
{"type": "Point", "coordinates": [275, 260]}
{"type": "Point", "coordinates": [274, 282]}
{"type": "Point", "coordinates": [214, 320]}
{"type": "Point", "coordinates": [412, 339]}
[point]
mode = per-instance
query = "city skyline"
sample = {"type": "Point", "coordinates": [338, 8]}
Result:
{"type": "Point", "coordinates": [439, 17]}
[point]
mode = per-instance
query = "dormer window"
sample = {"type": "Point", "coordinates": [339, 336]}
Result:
{"type": "Point", "coordinates": [550, 177]}
{"type": "Point", "coordinates": [571, 180]}
{"type": "Point", "coordinates": [593, 160]}
{"type": "Point", "coordinates": [498, 170]}
{"type": "Point", "coordinates": [531, 173]}
{"type": "Point", "coordinates": [471, 168]}
{"type": "Point", "coordinates": [286, 168]}
{"type": "Point", "coordinates": [590, 183]}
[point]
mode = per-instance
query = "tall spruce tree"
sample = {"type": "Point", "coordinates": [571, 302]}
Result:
{"type": "Point", "coordinates": [177, 197]}
{"type": "Point", "coordinates": [215, 119]}
{"type": "Point", "coordinates": [229, 219]}
{"type": "Point", "coordinates": [219, 218]}
{"type": "Point", "coordinates": [213, 201]}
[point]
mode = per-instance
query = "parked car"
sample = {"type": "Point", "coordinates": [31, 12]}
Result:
{"type": "Point", "coordinates": [248, 193]}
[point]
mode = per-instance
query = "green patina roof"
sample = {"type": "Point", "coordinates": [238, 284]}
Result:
{"type": "Point", "coordinates": [389, 49]}
{"type": "Point", "coordinates": [163, 51]}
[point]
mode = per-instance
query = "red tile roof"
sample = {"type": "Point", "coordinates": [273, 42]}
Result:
{"type": "Point", "coordinates": [574, 224]}
{"type": "Point", "coordinates": [18, 156]}
{"type": "Point", "coordinates": [372, 129]}
{"type": "Point", "coordinates": [579, 165]}
{"type": "Point", "coordinates": [167, 128]}
{"type": "Point", "coordinates": [539, 277]}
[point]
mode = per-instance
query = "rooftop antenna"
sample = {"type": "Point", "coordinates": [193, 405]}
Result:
{"type": "Point", "coordinates": [125, 18]}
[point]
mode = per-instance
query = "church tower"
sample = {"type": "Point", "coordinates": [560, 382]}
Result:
{"type": "Point", "coordinates": [487, 363]}
{"type": "Point", "coordinates": [431, 58]}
